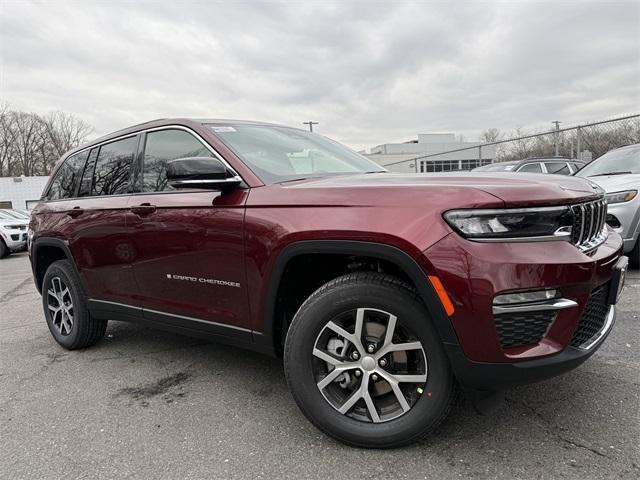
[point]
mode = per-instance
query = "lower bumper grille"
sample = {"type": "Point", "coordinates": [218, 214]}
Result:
{"type": "Point", "coordinates": [593, 317]}
{"type": "Point", "coordinates": [521, 329]}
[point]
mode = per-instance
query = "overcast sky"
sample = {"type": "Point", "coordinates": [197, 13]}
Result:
{"type": "Point", "coordinates": [369, 72]}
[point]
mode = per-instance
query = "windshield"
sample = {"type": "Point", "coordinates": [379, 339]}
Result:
{"type": "Point", "coordinates": [280, 154]}
{"type": "Point", "coordinates": [495, 167]}
{"type": "Point", "coordinates": [624, 160]}
{"type": "Point", "coordinates": [10, 214]}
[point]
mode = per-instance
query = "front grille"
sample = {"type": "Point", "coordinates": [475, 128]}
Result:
{"type": "Point", "coordinates": [588, 224]}
{"type": "Point", "coordinates": [520, 329]}
{"type": "Point", "coordinates": [593, 317]}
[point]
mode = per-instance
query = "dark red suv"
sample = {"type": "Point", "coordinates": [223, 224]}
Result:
{"type": "Point", "coordinates": [384, 293]}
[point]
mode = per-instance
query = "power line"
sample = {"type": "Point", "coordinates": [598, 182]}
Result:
{"type": "Point", "coordinates": [311, 124]}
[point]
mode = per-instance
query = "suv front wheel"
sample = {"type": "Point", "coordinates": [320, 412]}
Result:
{"type": "Point", "coordinates": [365, 364]}
{"type": "Point", "coordinates": [65, 308]}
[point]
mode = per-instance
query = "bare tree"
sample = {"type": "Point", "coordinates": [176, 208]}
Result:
{"type": "Point", "coordinates": [31, 144]}
{"type": "Point", "coordinates": [65, 131]}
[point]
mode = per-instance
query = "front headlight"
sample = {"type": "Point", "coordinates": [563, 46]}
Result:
{"type": "Point", "coordinates": [11, 227]}
{"type": "Point", "coordinates": [511, 223]}
{"type": "Point", "coordinates": [620, 197]}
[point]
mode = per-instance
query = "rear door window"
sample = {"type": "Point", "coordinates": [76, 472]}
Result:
{"type": "Point", "coordinates": [112, 173]}
{"type": "Point", "coordinates": [559, 168]}
{"type": "Point", "coordinates": [162, 146]}
{"type": "Point", "coordinates": [67, 177]}
{"type": "Point", "coordinates": [531, 167]}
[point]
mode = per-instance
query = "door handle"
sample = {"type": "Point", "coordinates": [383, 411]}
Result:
{"type": "Point", "coordinates": [143, 209]}
{"type": "Point", "coordinates": [75, 212]}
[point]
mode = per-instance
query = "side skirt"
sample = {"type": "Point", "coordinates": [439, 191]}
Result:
{"type": "Point", "coordinates": [189, 326]}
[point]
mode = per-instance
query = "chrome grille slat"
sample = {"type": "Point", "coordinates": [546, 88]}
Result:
{"type": "Point", "coordinates": [583, 211]}
{"type": "Point", "coordinates": [588, 224]}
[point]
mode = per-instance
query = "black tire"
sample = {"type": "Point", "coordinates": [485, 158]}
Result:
{"type": "Point", "coordinates": [85, 330]}
{"type": "Point", "coordinates": [634, 255]}
{"type": "Point", "coordinates": [374, 291]}
{"type": "Point", "coordinates": [4, 250]}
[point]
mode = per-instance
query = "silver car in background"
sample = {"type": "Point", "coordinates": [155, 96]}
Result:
{"type": "Point", "coordinates": [618, 173]}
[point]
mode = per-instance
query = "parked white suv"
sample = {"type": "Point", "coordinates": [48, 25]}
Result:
{"type": "Point", "coordinates": [13, 234]}
{"type": "Point", "coordinates": [618, 173]}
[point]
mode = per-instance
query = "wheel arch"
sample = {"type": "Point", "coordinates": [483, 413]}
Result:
{"type": "Point", "coordinates": [44, 252]}
{"type": "Point", "coordinates": [269, 339]}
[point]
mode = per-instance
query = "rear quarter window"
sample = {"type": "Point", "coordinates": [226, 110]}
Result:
{"type": "Point", "coordinates": [67, 177]}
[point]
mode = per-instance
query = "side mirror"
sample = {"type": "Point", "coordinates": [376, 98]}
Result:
{"type": "Point", "coordinates": [200, 172]}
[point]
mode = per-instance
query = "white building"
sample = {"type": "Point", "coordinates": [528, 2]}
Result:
{"type": "Point", "coordinates": [21, 192]}
{"type": "Point", "coordinates": [401, 157]}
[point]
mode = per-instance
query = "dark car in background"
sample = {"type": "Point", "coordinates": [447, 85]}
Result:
{"type": "Point", "coordinates": [556, 165]}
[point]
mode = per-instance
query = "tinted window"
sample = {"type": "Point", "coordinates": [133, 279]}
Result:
{"type": "Point", "coordinates": [87, 176]}
{"type": "Point", "coordinates": [67, 177]}
{"type": "Point", "coordinates": [559, 168]}
{"type": "Point", "coordinates": [113, 167]}
{"type": "Point", "coordinates": [531, 167]}
{"type": "Point", "coordinates": [162, 146]}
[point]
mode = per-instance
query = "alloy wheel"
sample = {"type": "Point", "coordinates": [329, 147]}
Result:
{"type": "Point", "coordinates": [369, 366]}
{"type": "Point", "coordinates": [60, 305]}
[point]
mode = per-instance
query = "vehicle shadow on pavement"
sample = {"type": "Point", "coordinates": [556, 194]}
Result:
{"type": "Point", "coordinates": [564, 415]}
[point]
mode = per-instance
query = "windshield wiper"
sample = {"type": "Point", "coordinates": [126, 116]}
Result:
{"type": "Point", "coordinates": [608, 173]}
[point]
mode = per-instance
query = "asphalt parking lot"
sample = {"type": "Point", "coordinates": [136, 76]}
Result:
{"type": "Point", "coordinates": [149, 404]}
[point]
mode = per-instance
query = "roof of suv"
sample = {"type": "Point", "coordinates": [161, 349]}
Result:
{"type": "Point", "coordinates": [160, 122]}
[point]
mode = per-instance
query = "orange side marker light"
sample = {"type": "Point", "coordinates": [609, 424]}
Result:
{"type": "Point", "coordinates": [442, 294]}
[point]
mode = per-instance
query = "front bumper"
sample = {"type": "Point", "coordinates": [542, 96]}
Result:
{"type": "Point", "coordinates": [15, 244]}
{"type": "Point", "coordinates": [497, 376]}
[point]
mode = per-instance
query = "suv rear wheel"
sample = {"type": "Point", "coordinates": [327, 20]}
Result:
{"type": "Point", "coordinates": [364, 363]}
{"type": "Point", "coordinates": [65, 308]}
{"type": "Point", "coordinates": [4, 250]}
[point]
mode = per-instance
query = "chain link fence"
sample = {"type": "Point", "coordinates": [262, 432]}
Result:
{"type": "Point", "coordinates": [582, 142]}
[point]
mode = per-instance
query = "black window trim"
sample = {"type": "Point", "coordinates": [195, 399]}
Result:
{"type": "Point", "coordinates": [542, 167]}
{"type": "Point", "coordinates": [140, 163]}
{"type": "Point", "coordinates": [137, 158]}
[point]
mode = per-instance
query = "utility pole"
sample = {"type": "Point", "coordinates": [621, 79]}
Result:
{"type": "Point", "coordinates": [557, 135]}
{"type": "Point", "coordinates": [311, 124]}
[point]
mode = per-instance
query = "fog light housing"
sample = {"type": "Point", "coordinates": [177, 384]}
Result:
{"type": "Point", "coordinates": [525, 297]}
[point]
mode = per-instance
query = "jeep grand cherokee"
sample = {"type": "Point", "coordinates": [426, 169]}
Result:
{"type": "Point", "coordinates": [384, 293]}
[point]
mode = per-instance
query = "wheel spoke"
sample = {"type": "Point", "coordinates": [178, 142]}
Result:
{"type": "Point", "coordinates": [420, 378]}
{"type": "Point", "coordinates": [396, 390]}
{"type": "Point", "coordinates": [359, 323]}
{"type": "Point", "coordinates": [326, 357]}
{"type": "Point", "coordinates": [331, 376]}
{"type": "Point", "coordinates": [352, 400]}
{"type": "Point", "coordinates": [398, 347]}
{"type": "Point", "coordinates": [53, 309]}
{"type": "Point", "coordinates": [53, 294]}
{"type": "Point", "coordinates": [64, 293]}
{"type": "Point", "coordinates": [373, 413]}
{"type": "Point", "coordinates": [391, 328]}
{"type": "Point", "coordinates": [346, 335]}
{"type": "Point", "coordinates": [67, 324]}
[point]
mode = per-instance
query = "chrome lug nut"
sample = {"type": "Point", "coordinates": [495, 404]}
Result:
{"type": "Point", "coordinates": [358, 373]}
{"type": "Point", "coordinates": [371, 348]}
{"type": "Point", "coordinates": [374, 377]}
{"type": "Point", "coordinates": [355, 355]}
{"type": "Point", "coordinates": [383, 362]}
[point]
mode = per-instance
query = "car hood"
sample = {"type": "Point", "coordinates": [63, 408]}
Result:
{"type": "Point", "coordinates": [617, 183]}
{"type": "Point", "coordinates": [514, 190]}
{"type": "Point", "coordinates": [22, 223]}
